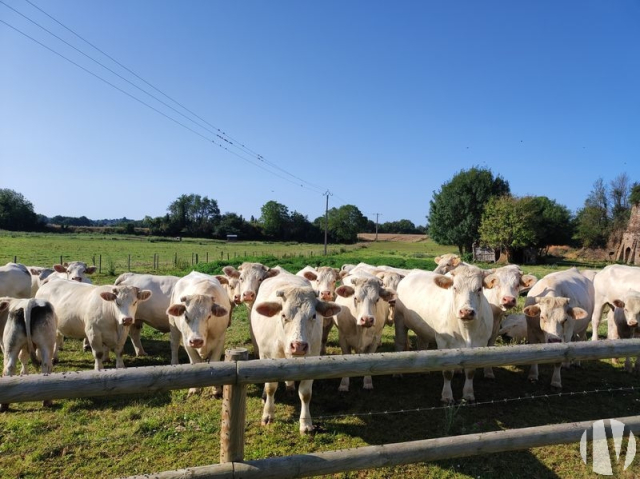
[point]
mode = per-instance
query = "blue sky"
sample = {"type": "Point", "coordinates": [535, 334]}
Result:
{"type": "Point", "coordinates": [378, 102]}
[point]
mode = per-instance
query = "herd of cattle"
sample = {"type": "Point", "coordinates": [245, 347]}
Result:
{"type": "Point", "coordinates": [455, 306]}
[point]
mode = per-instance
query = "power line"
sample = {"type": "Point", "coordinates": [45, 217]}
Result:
{"type": "Point", "coordinates": [218, 132]}
{"type": "Point", "coordinates": [148, 105]}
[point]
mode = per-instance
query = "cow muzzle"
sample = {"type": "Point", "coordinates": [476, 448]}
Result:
{"type": "Point", "coordinates": [128, 321]}
{"type": "Point", "coordinates": [467, 314]}
{"type": "Point", "coordinates": [248, 296]}
{"type": "Point", "coordinates": [632, 323]}
{"type": "Point", "coordinates": [508, 302]}
{"type": "Point", "coordinates": [366, 321]}
{"type": "Point", "coordinates": [77, 278]}
{"type": "Point", "coordinates": [326, 295]}
{"type": "Point", "coordinates": [196, 342]}
{"type": "Point", "coordinates": [299, 348]}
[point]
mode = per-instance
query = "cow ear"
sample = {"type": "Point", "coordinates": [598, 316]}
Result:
{"type": "Point", "coordinates": [577, 313]}
{"type": "Point", "coordinates": [437, 259]}
{"type": "Point", "coordinates": [144, 295]}
{"type": "Point", "coordinates": [4, 305]}
{"type": "Point", "coordinates": [310, 275]}
{"type": "Point", "coordinates": [271, 273]}
{"type": "Point", "coordinates": [176, 309]}
{"type": "Point", "coordinates": [531, 311]}
{"type": "Point", "coordinates": [108, 296]}
{"type": "Point", "coordinates": [327, 309]}
{"type": "Point", "coordinates": [222, 278]}
{"type": "Point", "coordinates": [455, 261]}
{"type": "Point", "coordinates": [59, 268]}
{"type": "Point", "coordinates": [345, 291]}
{"type": "Point", "coordinates": [528, 280]}
{"type": "Point", "coordinates": [618, 303]}
{"type": "Point", "coordinates": [388, 295]}
{"type": "Point", "coordinates": [490, 281]}
{"type": "Point", "coordinates": [444, 282]}
{"type": "Point", "coordinates": [342, 274]}
{"type": "Point", "coordinates": [90, 270]}
{"type": "Point", "coordinates": [231, 272]}
{"type": "Point", "coordinates": [268, 308]}
{"type": "Point", "coordinates": [218, 310]}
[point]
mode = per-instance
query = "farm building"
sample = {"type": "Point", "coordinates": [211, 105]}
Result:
{"type": "Point", "coordinates": [629, 249]}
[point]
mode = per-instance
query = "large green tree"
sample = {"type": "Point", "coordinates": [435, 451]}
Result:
{"type": "Point", "coordinates": [344, 223]}
{"type": "Point", "coordinates": [274, 219]}
{"type": "Point", "coordinates": [16, 212]}
{"type": "Point", "coordinates": [193, 215]}
{"type": "Point", "coordinates": [456, 210]}
{"type": "Point", "coordinates": [593, 224]}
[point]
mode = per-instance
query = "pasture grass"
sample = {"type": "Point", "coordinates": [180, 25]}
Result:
{"type": "Point", "coordinates": [138, 434]}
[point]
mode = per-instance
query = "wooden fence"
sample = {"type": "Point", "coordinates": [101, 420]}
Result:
{"type": "Point", "coordinates": [235, 374]}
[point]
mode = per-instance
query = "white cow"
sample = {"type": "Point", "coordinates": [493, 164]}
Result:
{"type": "Point", "coordinates": [75, 271]}
{"type": "Point", "coordinates": [362, 317]}
{"type": "Point", "coordinates": [446, 262]}
{"type": "Point", "coordinates": [250, 276]}
{"type": "Point", "coordinates": [558, 309]}
{"type": "Point", "coordinates": [323, 281]}
{"type": "Point", "coordinates": [390, 281]}
{"type": "Point", "coordinates": [102, 314]}
{"type": "Point", "coordinates": [15, 281]}
{"type": "Point", "coordinates": [27, 324]}
{"type": "Point", "coordinates": [38, 275]}
{"type": "Point", "coordinates": [286, 325]}
{"type": "Point", "coordinates": [450, 311]}
{"type": "Point", "coordinates": [198, 318]}
{"type": "Point", "coordinates": [626, 316]}
{"type": "Point", "coordinates": [154, 311]}
{"type": "Point", "coordinates": [503, 296]}
{"type": "Point", "coordinates": [514, 328]}
{"type": "Point", "coordinates": [612, 283]}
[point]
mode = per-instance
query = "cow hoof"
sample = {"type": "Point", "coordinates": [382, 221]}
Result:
{"type": "Point", "coordinates": [489, 376]}
{"type": "Point", "coordinates": [86, 348]}
{"type": "Point", "coordinates": [533, 380]}
{"type": "Point", "coordinates": [447, 401]}
{"type": "Point", "coordinates": [47, 403]}
{"type": "Point", "coordinates": [217, 393]}
{"type": "Point", "coordinates": [142, 354]}
{"type": "Point", "coordinates": [468, 401]}
{"type": "Point", "coordinates": [267, 420]}
{"type": "Point", "coordinates": [556, 388]}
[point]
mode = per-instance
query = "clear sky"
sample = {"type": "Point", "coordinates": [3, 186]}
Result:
{"type": "Point", "coordinates": [378, 102]}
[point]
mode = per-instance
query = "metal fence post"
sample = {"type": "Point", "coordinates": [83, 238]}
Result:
{"type": "Point", "coordinates": [234, 408]}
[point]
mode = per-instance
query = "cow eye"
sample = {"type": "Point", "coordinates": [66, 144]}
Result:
{"type": "Point", "coordinates": [479, 290]}
{"type": "Point", "coordinates": [314, 316]}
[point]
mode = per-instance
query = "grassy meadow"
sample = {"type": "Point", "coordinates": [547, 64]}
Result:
{"type": "Point", "coordinates": [126, 435]}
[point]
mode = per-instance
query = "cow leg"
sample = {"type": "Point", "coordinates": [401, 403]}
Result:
{"type": "Point", "coordinates": [595, 318]}
{"type": "Point", "coordinates": [488, 371]}
{"type": "Point", "coordinates": [58, 347]}
{"type": "Point", "coordinates": [85, 345]}
{"type": "Point", "coordinates": [467, 390]}
{"type": "Point", "coordinates": [290, 386]}
{"type": "Point", "coordinates": [627, 365]}
{"type": "Point", "coordinates": [9, 369]}
{"type": "Point", "coordinates": [121, 339]}
{"type": "Point", "coordinates": [402, 336]}
{"type": "Point", "coordinates": [636, 368]}
{"type": "Point", "coordinates": [327, 324]}
{"type": "Point", "coordinates": [533, 373]}
{"type": "Point", "coordinates": [194, 358]}
{"type": "Point", "coordinates": [174, 340]}
{"type": "Point", "coordinates": [344, 383]}
{"type": "Point", "coordinates": [447, 392]}
{"type": "Point", "coordinates": [556, 380]}
{"type": "Point", "coordinates": [134, 334]}
{"type": "Point", "coordinates": [24, 361]}
{"type": "Point", "coordinates": [95, 340]}
{"type": "Point", "coordinates": [268, 413]}
{"type": "Point", "coordinates": [304, 391]}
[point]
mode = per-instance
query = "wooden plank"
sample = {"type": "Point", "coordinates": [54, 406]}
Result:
{"type": "Point", "coordinates": [387, 455]}
{"type": "Point", "coordinates": [234, 412]}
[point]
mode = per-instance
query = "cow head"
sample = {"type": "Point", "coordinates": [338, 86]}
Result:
{"type": "Point", "coordinates": [556, 317]}
{"type": "Point", "coordinates": [466, 284]}
{"type": "Point", "coordinates": [627, 313]}
{"type": "Point", "coordinates": [323, 281]}
{"type": "Point", "coordinates": [75, 271]}
{"type": "Point", "coordinates": [511, 280]}
{"type": "Point", "coordinates": [194, 312]}
{"type": "Point", "coordinates": [302, 328]}
{"type": "Point", "coordinates": [125, 300]}
{"type": "Point", "coordinates": [446, 262]}
{"type": "Point", "coordinates": [250, 276]}
{"type": "Point", "coordinates": [365, 293]}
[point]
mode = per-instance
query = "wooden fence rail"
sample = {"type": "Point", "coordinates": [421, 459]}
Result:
{"type": "Point", "coordinates": [238, 374]}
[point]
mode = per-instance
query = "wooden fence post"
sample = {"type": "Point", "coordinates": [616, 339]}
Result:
{"type": "Point", "coordinates": [129, 263]}
{"type": "Point", "coordinates": [234, 408]}
{"type": "Point", "coordinates": [100, 264]}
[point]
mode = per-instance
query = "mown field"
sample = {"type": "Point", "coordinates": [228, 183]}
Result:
{"type": "Point", "coordinates": [125, 435]}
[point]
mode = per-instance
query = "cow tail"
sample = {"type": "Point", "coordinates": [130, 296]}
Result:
{"type": "Point", "coordinates": [27, 320]}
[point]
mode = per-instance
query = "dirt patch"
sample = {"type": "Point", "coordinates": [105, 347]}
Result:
{"type": "Point", "coordinates": [392, 237]}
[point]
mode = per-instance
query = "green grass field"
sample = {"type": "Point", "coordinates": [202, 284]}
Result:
{"type": "Point", "coordinates": [126, 435]}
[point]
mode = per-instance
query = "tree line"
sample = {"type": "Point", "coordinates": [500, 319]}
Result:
{"type": "Point", "coordinates": [476, 207]}
{"type": "Point", "coordinates": [199, 216]}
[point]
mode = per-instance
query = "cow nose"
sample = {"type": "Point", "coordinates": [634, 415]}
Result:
{"type": "Point", "coordinates": [237, 299]}
{"type": "Point", "coordinates": [326, 296]}
{"type": "Point", "coordinates": [467, 313]}
{"type": "Point", "coordinates": [77, 278]}
{"type": "Point", "coordinates": [196, 343]}
{"type": "Point", "coordinates": [128, 321]}
{"type": "Point", "coordinates": [248, 296]}
{"type": "Point", "coordinates": [632, 323]}
{"type": "Point", "coordinates": [299, 348]}
{"type": "Point", "coordinates": [509, 302]}
{"type": "Point", "coordinates": [366, 321]}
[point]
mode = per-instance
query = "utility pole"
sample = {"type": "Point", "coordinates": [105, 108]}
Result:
{"type": "Point", "coordinates": [377, 214]}
{"type": "Point", "coordinates": [326, 220]}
